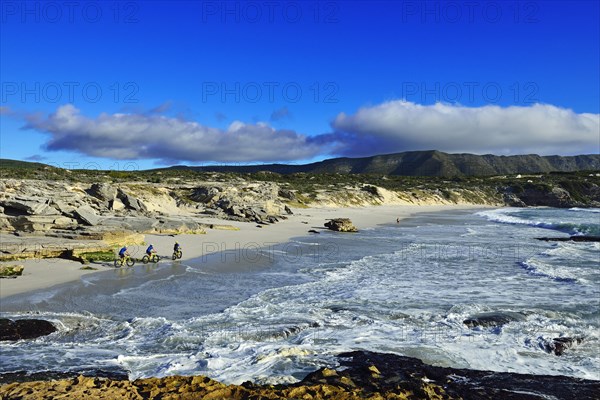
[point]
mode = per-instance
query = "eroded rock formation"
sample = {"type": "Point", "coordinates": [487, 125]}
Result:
{"type": "Point", "coordinates": [341, 225]}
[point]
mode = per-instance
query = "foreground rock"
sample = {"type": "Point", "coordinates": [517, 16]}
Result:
{"type": "Point", "coordinates": [411, 374]}
{"type": "Point", "coordinates": [341, 225]}
{"type": "Point", "coordinates": [362, 375]}
{"type": "Point", "coordinates": [24, 329]}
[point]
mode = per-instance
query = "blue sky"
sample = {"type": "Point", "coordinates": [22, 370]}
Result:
{"type": "Point", "coordinates": [146, 83]}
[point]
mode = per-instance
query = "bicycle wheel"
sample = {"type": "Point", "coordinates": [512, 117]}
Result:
{"type": "Point", "coordinates": [145, 259]}
{"type": "Point", "coordinates": [130, 262]}
{"type": "Point", "coordinates": [179, 254]}
{"type": "Point", "coordinates": [118, 263]}
{"type": "Point", "coordinates": [155, 258]}
{"type": "Point", "coordinates": [174, 257]}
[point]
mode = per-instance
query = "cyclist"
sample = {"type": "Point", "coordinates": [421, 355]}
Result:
{"type": "Point", "coordinates": [150, 250]}
{"type": "Point", "coordinates": [123, 252]}
{"type": "Point", "coordinates": [177, 247]}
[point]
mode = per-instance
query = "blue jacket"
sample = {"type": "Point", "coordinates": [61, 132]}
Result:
{"type": "Point", "coordinates": [123, 251]}
{"type": "Point", "coordinates": [149, 249]}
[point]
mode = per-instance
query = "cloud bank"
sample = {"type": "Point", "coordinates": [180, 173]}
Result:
{"type": "Point", "coordinates": [401, 125]}
{"type": "Point", "coordinates": [389, 127]}
{"type": "Point", "coordinates": [170, 140]}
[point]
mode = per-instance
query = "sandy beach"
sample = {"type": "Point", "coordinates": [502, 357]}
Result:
{"type": "Point", "coordinates": [45, 273]}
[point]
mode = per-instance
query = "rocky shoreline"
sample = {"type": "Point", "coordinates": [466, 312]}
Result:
{"type": "Point", "coordinates": [73, 213]}
{"type": "Point", "coordinates": [360, 375]}
{"type": "Point", "coordinates": [43, 219]}
{"type": "Point", "coordinates": [65, 218]}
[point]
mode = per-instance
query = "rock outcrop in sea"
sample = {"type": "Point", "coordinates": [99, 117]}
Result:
{"type": "Point", "coordinates": [341, 225]}
{"type": "Point", "coordinates": [20, 329]}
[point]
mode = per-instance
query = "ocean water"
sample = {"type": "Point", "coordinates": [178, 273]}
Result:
{"type": "Point", "coordinates": [272, 315]}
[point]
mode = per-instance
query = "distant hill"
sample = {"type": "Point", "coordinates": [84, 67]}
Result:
{"type": "Point", "coordinates": [427, 163]}
{"type": "Point", "coordinates": [7, 163]}
{"type": "Point", "coordinates": [410, 163]}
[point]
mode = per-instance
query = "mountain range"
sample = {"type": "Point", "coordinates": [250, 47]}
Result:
{"type": "Point", "coordinates": [425, 163]}
{"type": "Point", "coordinates": [410, 163]}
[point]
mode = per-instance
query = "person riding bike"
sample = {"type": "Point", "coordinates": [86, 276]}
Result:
{"type": "Point", "coordinates": [123, 252]}
{"type": "Point", "coordinates": [177, 247]}
{"type": "Point", "coordinates": [150, 250]}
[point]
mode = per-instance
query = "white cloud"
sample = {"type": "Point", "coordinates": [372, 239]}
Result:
{"type": "Point", "coordinates": [401, 125]}
{"type": "Point", "coordinates": [390, 127]}
{"type": "Point", "coordinates": [139, 136]}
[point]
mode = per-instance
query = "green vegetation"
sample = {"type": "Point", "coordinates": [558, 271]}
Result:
{"type": "Point", "coordinates": [97, 256]}
{"type": "Point", "coordinates": [6, 163]}
{"type": "Point", "coordinates": [11, 271]}
{"type": "Point", "coordinates": [538, 186]}
{"type": "Point", "coordinates": [578, 188]}
{"type": "Point", "coordinates": [12, 169]}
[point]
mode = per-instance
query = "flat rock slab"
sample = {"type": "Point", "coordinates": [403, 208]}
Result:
{"type": "Point", "coordinates": [31, 206]}
{"type": "Point", "coordinates": [88, 215]}
{"type": "Point", "coordinates": [25, 246]}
